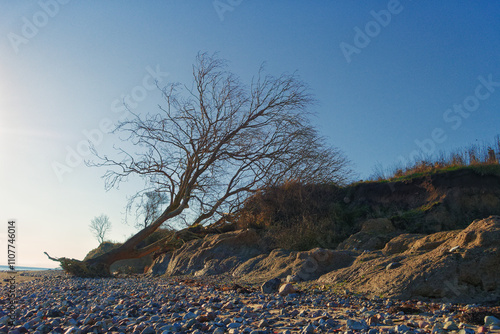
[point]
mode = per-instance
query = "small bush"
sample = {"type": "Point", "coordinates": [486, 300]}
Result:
{"type": "Point", "coordinates": [300, 217]}
{"type": "Point", "coordinates": [105, 247]}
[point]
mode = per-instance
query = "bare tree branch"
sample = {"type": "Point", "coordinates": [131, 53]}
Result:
{"type": "Point", "coordinates": [212, 145]}
{"type": "Point", "coordinates": [100, 226]}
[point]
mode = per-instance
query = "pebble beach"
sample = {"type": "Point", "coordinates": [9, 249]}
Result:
{"type": "Point", "coordinates": [53, 302]}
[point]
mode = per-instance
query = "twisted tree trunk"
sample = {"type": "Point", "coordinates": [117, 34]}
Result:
{"type": "Point", "coordinates": [99, 266]}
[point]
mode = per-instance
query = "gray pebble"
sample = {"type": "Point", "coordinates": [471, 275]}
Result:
{"type": "Point", "coordinates": [490, 320]}
{"type": "Point", "coordinates": [308, 329]}
{"type": "Point", "coordinates": [148, 330]}
{"type": "Point", "coordinates": [234, 325]}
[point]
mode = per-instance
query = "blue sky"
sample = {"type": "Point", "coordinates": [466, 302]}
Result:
{"type": "Point", "coordinates": [385, 74]}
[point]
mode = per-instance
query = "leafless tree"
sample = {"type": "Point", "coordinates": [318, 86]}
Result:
{"type": "Point", "coordinates": [149, 208]}
{"type": "Point", "coordinates": [215, 143]}
{"type": "Point", "coordinates": [99, 226]}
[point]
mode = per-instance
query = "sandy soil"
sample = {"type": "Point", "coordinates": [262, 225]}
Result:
{"type": "Point", "coordinates": [25, 276]}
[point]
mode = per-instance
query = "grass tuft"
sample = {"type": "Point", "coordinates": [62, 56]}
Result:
{"type": "Point", "coordinates": [483, 159]}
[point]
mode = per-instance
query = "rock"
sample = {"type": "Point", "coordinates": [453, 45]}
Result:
{"type": "Point", "coordinates": [73, 330]}
{"type": "Point", "coordinates": [190, 323]}
{"type": "Point", "coordinates": [29, 324]}
{"type": "Point", "coordinates": [431, 271]}
{"type": "Point", "coordinates": [450, 326]}
{"type": "Point", "coordinates": [490, 320]}
{"type": "Point", "coordinates": [393, 265]}
{"type": "Point", "coordinates": [209, 256]}
{"type": "Point", "coordinates": [356, 325]}
{"type": "Point", "coordinates": [270, 286]}
{"type": "Point", "coordinates": [202, 318]}
{"type": "Point", "coordinates": [372, 321]}
{"type": "Point", "coordinates": [286, 289]}
{"type": "Point", "coordinates": [374, 234]}
{"type": "Point", "coordinates": [422, 324]}
{"type": "Point", "coordinates": [234, 325]}
{"type": "Point", "coordinates": [167, 328]}
{"type": "Point", "coordinates": [308, 329]}
{"type": "Point", "coordinates": [160, 264]}
{"type": "Point", "coordinates": [293, 279]}
{"type": "Point", "coordinates": [307, 265]}
{"type": "Point", "coordinates": [263, 323]}
{"type": "Point", "coordinates": [466, 331]}
{"type": "Point", "coordinates": [400, 243]}
{"type": "Point", "coordinates": [54, 313]}
{"type": "Point", "coordinates": [148, 330]}
{"type": "Point", "coordinates": [330, 322]}
{"type": "Point", "coordinates": [401, 328]}
{"type": "Point", "coordinates": [431, 241]}
{"type": "Point", "coordinates": [189, 315]}
{"type": "Point", "coordinates": [364, 241]}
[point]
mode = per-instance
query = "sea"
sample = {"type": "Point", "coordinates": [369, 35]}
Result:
{"type": "Point", "coordinates": [20, 268]}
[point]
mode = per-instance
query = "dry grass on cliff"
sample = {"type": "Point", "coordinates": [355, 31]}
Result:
{"type": "Point", "coordinates": [474, 156]}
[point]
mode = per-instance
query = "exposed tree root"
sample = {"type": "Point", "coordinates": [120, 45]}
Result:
{"type": "Point", "coordinates": [82, 268]}
{"type": "Point", "coordinates": [99, 266]}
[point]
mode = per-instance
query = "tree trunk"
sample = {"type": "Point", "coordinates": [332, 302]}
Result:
{"type": "Point", "coordinates": [99, 266]}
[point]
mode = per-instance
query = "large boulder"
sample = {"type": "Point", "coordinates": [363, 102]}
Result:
{"type": "Point", "coordinates": [414, 243]}
{"type": "Point", "coordinates": [160, 264]}
{"type": "Point", "coordinates": [240, 253]}
{"type": "Point", "coordinates": [458, 266]}
{"type": "Point", "coordinates": [401, 243]}
{"type": "Point", "coordinates": [214, 254]}
{"type": "Point", "coordinates": [374, 234]}
{"type": "Point", "coordinates": [280, 263]}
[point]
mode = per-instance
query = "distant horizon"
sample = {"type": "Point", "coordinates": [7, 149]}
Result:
{"type": "Point", "coordinates": [23, 268]}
